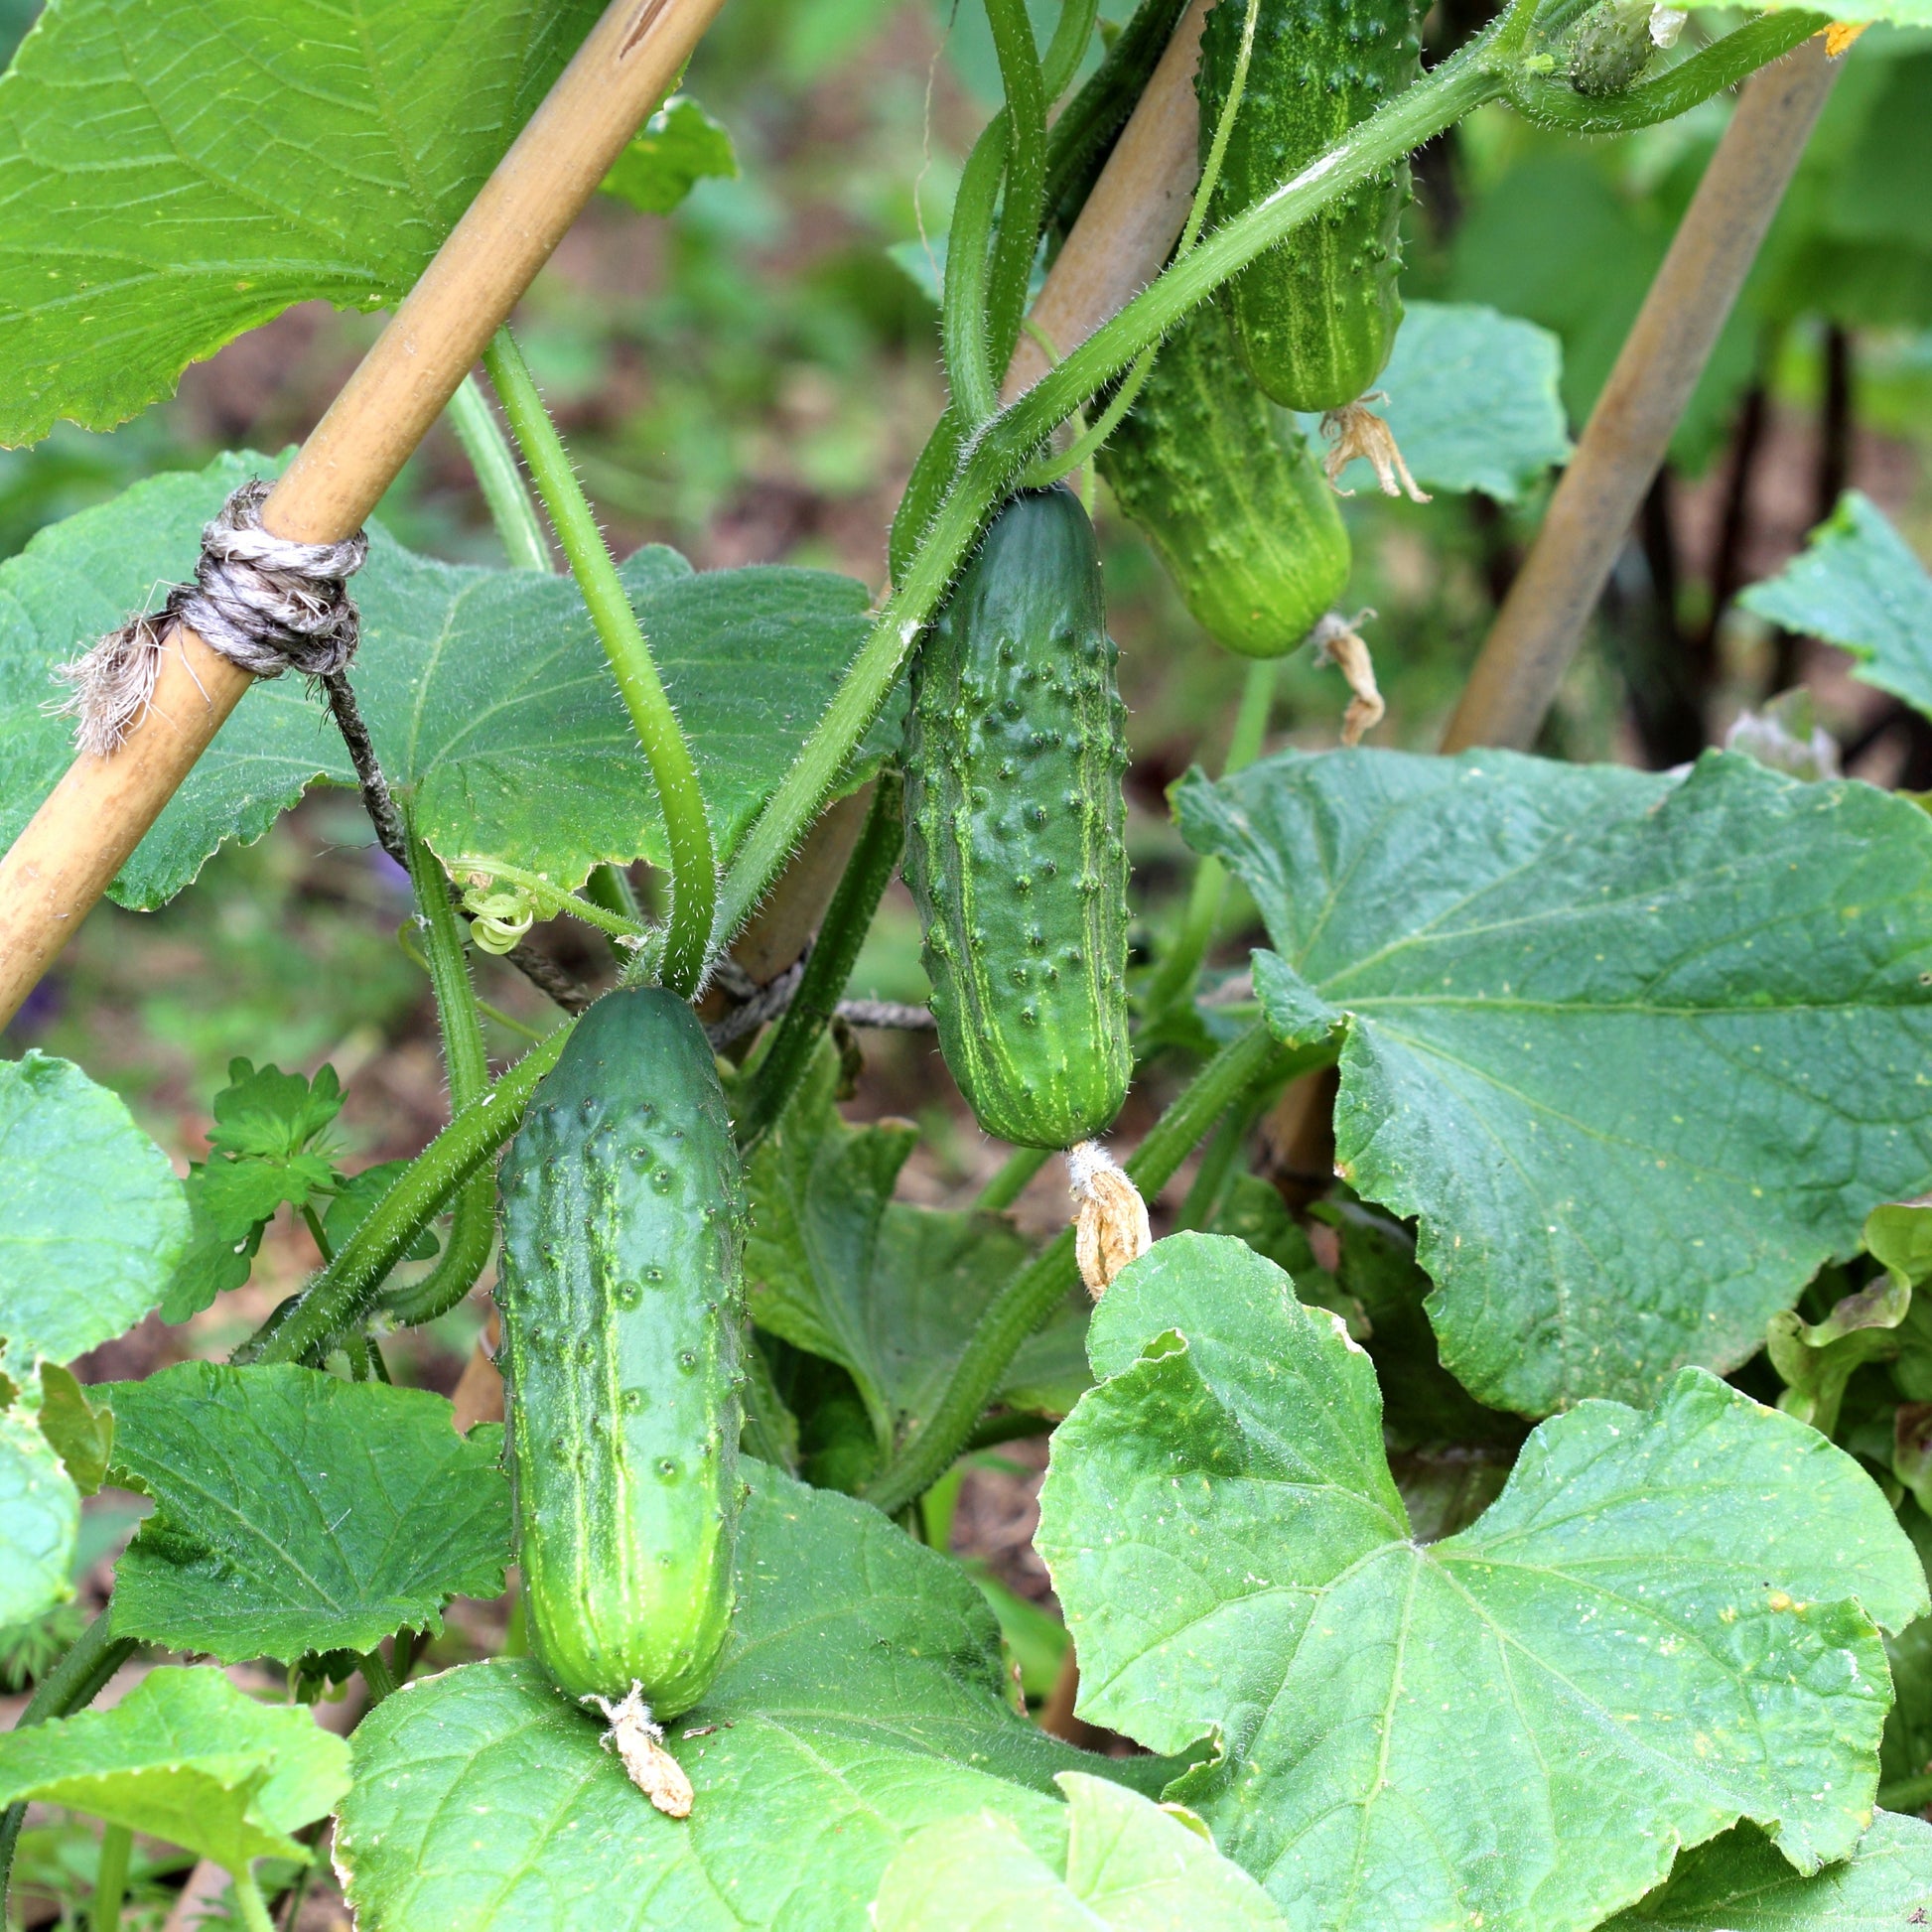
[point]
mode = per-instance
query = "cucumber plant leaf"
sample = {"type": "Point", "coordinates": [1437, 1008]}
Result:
{"type": "Point", "coordinates": [188, 1757]}
{"type": "Point", "coordinates": [1666, 1624]}
{"type": "Point", "coordinates": [1858, 585]}
{"type": "Point", "coordinates": [888, 1290]}
{"type": "Point", "coordinates": [486, 694]}
{"type": "Point", "coordinates": [81, 1432]}
{"type": "Point", "coordinates": [144, 230]}
{"type": "Point", "coordinates": [1739, 1882]}
{"type": "Point", "coordinates": [1122, 1864]}
{"type": "Point", "coordinates": [1474, 398]}
{"type": "Point", "coordinates": [295, 1512]}
{"type": "Point", "coordinates": [91, 1217]}
{"type": "Point", "coordinates": [40, 1517]}
{"type": "Point", "coordinates": [1639, 1053]}
{"type": "Point", "coordinates": [861, 1697]}
{"type": "Point", "coordinates": [678, 147]}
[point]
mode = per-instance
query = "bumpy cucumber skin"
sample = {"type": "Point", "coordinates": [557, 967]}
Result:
{"type": "Point", "coordinates": [1015, 749]}
{"type": "Point", "coordinates": [1319, 312]}
{"type": "Point", "coordinates": [1229, 494]}
{"type": "Point", "coordinates": [1611, 47]}
{"type": "Point", "coordinates": [622, 1304]}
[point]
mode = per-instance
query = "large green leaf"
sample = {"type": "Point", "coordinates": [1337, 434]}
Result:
{"type": "Point", "coordinates": [91, 1217]}
{"type": "Point", "coordinates": [40, 1516]}
{"type": "Point", "coordinates": [1640, 1053]}
{"type": "Point", "coordinates": [1124, 1865]}
{"type": "Point", "coordinates": [861, 1697]}
{"type": "Point", "coordinates": [188, 1757]}
{"type": "Point", "coordinates": [1473, 400]}
{"type": "Point", "coordinates": [486, 692]}
{"type": "Point", "coordinates": [1858, 585]}
{"type": "Point", "coordinates": [888, 1290]}
{"type": "Point", "coordinates": [175, 172]}
{"type": "Point", "coordinates": [295, 1512]}
{"type": "Point", "coordinates": [1739, 1884]}
{"type": "Point", "coordinates": [1665, 1624]}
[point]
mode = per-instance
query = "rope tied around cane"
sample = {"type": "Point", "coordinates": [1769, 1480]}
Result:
{"type": "Point", "coordinates": [266, 603]}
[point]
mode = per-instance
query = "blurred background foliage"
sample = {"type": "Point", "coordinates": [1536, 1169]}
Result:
{"type": "Point", "coordinates": [750, 378]}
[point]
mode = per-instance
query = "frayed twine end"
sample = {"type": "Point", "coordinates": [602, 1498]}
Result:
{"type": "Point", "coordinates": [1336, 643]}
{"type": "Point", "coordinates": [266, 603]}
{"type": "Point", "coordinates": [1354, 429]}
{"type": "Point", "coordinates": [640, 1743]}
{"type": "Point", "coordinates": [1110, 1226]}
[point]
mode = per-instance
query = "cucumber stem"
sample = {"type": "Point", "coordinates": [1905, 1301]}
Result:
{"type": "Point", "coordinates": [843, 931]}
{"type": "Point", "coordinates": [71, 1685]}
{"type": "Point", "coordinates": [465, 1063]}
{"type": "Point", "coordinates": [250, 1902]}
{"type": "Point", "coordinates": [110, 1877]}
{"type": "Point", "coordinates": [494, 463]}
{"type": "Point", "coordinates": [694, 878]}
{"type": "Point", "coordinates": [1030, 1297]}
{"type": "Point", "coordinates": [963, 305]}
{"type": "Point", "coordinates": [342, 1293]}
{"type": "Point", "coordinates": [1010, 269]}
{"type": "Point", "coordinates": [1179, 971]}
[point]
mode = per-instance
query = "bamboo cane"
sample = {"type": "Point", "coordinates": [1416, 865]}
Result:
{"type": "Point", "coordinates": [85, 832]}
{"type": "Point", "coordinates": [1541, 624]}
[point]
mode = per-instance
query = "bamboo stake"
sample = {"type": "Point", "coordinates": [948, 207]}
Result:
{"type": "Point", "coordinates": [84, 833]}
{"type": "Point", "coordinates": [1541, 624]}
{"type": "Point", "coordinates": [1130, 222]}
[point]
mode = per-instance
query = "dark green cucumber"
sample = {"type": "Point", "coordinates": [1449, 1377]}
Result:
{"type": "Point", "coordinates": [620, 1299]}
{"type": "Point", "coordinates": [1317, 313]}
{"type": "Point", "coordinates": [1016, 851]}
{"type": "Point", "coordinates": [1225, 488]}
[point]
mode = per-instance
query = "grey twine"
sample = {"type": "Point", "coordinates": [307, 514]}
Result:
{"type": "Point", "coordinates": [266, 603]}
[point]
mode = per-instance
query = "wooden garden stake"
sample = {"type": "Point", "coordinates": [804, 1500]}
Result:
{"type": "Point", "coordinates": [85, 832]}
{"type": "Point", "coordinates": [1541, 624]}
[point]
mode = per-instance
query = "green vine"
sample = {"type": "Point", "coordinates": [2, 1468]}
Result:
{"type": "Point", "coordinates": [694, 883]}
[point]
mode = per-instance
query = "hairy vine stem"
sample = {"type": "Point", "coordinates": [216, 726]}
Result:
{"type": "Point", "coordinates": [694, 866]}
{"type": "Point", "coordinates": [342, 1293]}
{"type": "Point", "coordinates": [498, 476]}
{"type": "Point", "coordinates": [473, 1221]}
{"type": "Point", "coordinates": [1031, 1295]}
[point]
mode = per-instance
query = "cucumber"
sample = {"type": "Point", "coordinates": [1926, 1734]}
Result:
{"type": "Point", "coordinates": [1015, 749]}
{"type": "Point", "coordinates": [1317, 313]}
{"type": "Point", "coordinates": [1612, 47]}
{"type": "Point", "coordinates": [1227, 491]}
{"type": "Point", "coordinates": [622, 1306]}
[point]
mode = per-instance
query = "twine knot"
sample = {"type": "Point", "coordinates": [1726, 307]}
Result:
{"type": "Point", "coordinates": [267, 604]}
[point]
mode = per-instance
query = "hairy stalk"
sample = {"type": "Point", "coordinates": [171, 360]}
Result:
{"type": "Point", "coordinates": [110, 1879]}
{"type": "Point", "coordinates": [847, 921]}
{"type": "Point", "coordinates": [339, 1297]}
{"type": "Point", "coordinates": [994, 459]}
{"type": "Point", "coordinates": [1031, 1295]}
{"type": "Point", "coordinates": [1023, 204]}
{"type": "Point", "coordinates": [473, 1221]}
{"type": "Point", "coordinates": [498, 476]}
{"type": "Point", "coordinates": [1179, 971]}
{"type": "Point", "coordinates": [71, 1685]}
{"type": "Point", "coordinates": [250, 1902]}
{"type": "Point", "coordinates": [1556, 105]}
{"type": "Point", "coordinates": [693, 880]}
{"type": "Point", "coordinates": [963, 334]}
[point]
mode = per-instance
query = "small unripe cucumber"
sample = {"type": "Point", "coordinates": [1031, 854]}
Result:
{"type": "Point", "coordinates": [621, 1297]}
{"type": "Point", "coordinates": [1612, 47]}
{"type": "Point", "coordinates": [1015, 748]}
{"type": "Point", "coordinates": [1319, 312]}
{"type": "Point", "coordinates": [1229, 494]}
